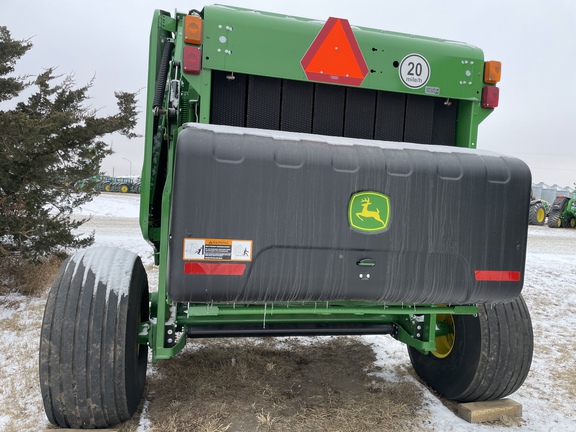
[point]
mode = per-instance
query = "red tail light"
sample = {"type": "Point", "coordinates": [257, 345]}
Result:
{"type": "Point", "coordinates": [192, 59]}
{"type": "Point", "coordinates": [490, 97]}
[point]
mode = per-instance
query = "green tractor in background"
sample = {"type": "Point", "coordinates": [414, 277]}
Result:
{"type": "Point", "coordinates": [104, 183]}
{"type": "Point", "coordinates": [122, 185]}
{"type": "Point", "coordinates": [563, 212]}
{"type": "Point", "coordinates": [119, 184]}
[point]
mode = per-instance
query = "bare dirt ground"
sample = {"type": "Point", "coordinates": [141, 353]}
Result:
{"type": "Point", "coordinates": [277, 385]}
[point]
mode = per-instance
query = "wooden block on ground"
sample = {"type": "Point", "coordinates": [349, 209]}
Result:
{"type": "Point", "coordinates": [478, 412]}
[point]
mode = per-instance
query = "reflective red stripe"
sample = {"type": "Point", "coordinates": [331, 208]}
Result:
{"type": "Point", "coordinates": [497, 275]}
{"type": "Point", "coordinates": [214, 268]}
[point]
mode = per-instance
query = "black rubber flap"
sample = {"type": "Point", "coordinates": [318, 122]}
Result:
{"type": "Point", "coordinates": [274, 216]}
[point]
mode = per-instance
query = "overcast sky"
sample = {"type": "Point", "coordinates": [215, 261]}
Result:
{"type": "Point", "coordinates": [534, 39]}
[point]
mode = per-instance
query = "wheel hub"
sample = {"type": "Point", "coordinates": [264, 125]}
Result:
{"type": "Point", "coordinates": [445, 342]}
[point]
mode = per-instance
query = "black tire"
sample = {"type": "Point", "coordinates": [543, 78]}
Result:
{"type": "Point", "coordinates": [554, 220]}
{"type": "Point", "coordinates": [489, 359]}
{"type": "Point", "coordinates": [537, 214]}
{"type": "Point", "coordinates": [92, 369]}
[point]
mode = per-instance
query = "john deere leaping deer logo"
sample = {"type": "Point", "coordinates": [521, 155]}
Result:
{"type": "Point", "coordinates": [369, 212]}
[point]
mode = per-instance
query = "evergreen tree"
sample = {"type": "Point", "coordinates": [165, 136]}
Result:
{"type": "Point", "coordinates": [47, 143]}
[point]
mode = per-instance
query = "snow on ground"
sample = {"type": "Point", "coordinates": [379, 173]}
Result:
{"type": "Point", "coordinates": [112, 205]}
{"type": "Point", "coordinates": [121, 231]}
{"type": "Point", "coordinates": [548, 396]}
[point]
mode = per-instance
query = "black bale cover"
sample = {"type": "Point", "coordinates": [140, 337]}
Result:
{"type": "Point", "coordinates": [268, 216]}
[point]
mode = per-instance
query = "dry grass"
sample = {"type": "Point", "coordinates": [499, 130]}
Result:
{"type": "Point", "coordinates": [26, 277]}
{"type": "Point", "coordinates": [264, 385]}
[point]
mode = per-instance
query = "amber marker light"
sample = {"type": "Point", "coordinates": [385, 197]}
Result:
{"type": "Point", "coordinates": [492, 72]}
{"type": "Point", "coordinates": [193, 29]}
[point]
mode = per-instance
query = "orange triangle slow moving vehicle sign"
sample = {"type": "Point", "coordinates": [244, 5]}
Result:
{"type": "Point", "coordinates": [334, 56]}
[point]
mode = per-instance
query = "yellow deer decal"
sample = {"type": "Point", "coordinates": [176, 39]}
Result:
{"type": "Point", "coordinates": [369, 213]}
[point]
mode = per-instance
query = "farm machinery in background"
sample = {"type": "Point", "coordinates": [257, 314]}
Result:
{"type": "Point", "coordinates": [119, 184]}
{"type": "Point", "coordinates": [105, 183]}
{"type": "Point", "coordinates": [538, 210]}
{"type": "Point", "coordinates": [563, 212]}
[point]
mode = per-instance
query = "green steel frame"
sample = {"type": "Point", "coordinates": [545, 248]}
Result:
{"type": "Point", "coordinates": [416, 325]}
{"type": "Point", "coordinates": [458, 72]}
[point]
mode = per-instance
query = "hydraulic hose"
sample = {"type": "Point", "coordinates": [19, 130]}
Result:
{"type": "Point", "coordinates": [162, 75]}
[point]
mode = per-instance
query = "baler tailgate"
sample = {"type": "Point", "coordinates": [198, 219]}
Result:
{"type": "Point", "coordinates": [266, 216]}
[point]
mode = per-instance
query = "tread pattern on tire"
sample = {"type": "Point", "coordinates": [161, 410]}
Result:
{"type": "Point", "coordinates": [553, 219]}
{"type": "Point", "coordinates": [533, 214]}
{"type": "Point", "coordinates": [86, 345]}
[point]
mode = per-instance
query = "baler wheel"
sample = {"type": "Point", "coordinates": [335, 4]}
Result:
{"type": "Point", "coordinates": [489, 359]}
{"type": "Point", "coordinates": [92, 368]}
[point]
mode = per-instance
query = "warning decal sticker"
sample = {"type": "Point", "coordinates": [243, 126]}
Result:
{"type": "Point", "coordinates": [217, 250]}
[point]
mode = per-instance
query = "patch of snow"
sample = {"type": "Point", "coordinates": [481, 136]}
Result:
{"type": "Point", "coordinates": [11, 299]}
{"type": "Point", "coordinates": [117, 232]}
{"type": "Point", "coordinates": [111, 266]}
{"type": "Point", "coordinates": [545, 231]}
{"type": "Point", "coordinates": [335, 140]}
{"type": "Point", "coordinates": [111, 205]}
{"type": "Point", "coordinates": [4, 419]}
{"type": "Point", "coordinates": [144, 424]}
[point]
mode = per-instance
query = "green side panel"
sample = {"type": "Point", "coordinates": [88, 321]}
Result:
{"type": "Point", "coordinates": [267, 44]}
{"type": "Point", "coordinates": [150, 168]}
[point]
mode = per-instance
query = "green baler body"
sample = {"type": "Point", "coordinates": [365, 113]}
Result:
{"type": "Point", "coordinates": [272, 45]}
{"type": "Point", "coordinates": [255, 72]}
